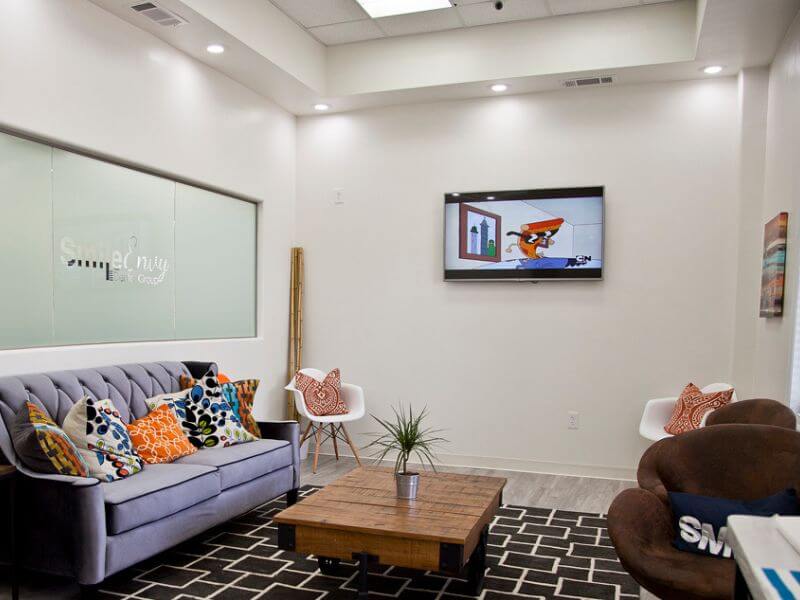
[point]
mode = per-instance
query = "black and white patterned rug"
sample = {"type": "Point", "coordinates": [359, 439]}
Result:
{"type": "Point", "coordinates": [532, 553]}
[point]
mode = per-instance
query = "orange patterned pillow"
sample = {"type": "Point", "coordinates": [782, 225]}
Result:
{"type": "Point", "coordinates": [322, 398]}
{"type": "Point", "coordinates": [159, 438]}
{"type": "Point", "coordinates": [691, 407]}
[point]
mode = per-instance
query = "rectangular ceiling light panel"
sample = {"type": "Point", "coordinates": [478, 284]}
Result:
{"type": "Point", "coordinates": [387, 8]}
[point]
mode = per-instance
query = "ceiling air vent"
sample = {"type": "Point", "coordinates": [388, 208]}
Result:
{"type": "Point", "coordinates": [589, 81]}
{"type": "Point", "coordinates": [158, 15]}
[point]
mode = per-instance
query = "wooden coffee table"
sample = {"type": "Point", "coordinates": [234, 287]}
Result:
{"type": "Point", "coordinates": [359, 517]}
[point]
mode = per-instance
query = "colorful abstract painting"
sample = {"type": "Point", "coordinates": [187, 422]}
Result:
{"type": "Point", "coordinates": [774, 266]}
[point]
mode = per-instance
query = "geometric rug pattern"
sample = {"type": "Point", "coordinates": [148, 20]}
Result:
{"type": "Point", "coordinates": [532, 553]}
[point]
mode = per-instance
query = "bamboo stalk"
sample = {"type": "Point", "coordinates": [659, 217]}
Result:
{"type": "Point", "coordinates": [295, 326]}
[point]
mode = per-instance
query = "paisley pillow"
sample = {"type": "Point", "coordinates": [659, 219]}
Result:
{"type": "Point", "coordinates": [96, 429]}
{"type": "Point", "coordinates": [239, 394]}
{"type": "Point", "coordinates": [322, 398]}
{"type": "Point", "coordinates": [42, 446]}
{"type": "Point", "coordinates": [691, 407]}
{"type": "Point", "coordinates": [206, 416]}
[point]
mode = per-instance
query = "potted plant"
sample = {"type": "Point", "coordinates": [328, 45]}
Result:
{"type": "Point", "coordinates": [406, 436]}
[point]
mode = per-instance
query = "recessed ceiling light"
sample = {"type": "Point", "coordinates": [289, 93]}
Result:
{"type": "Point", "coordinates": [712, 70]}
{"type": "Point", "coordinates": [499, 87]}
{"type": "Point", "coordinates": [456, 194]}
{"type": "Point", "coordinates": [322, 106]}
{"type": "Point", "coordinates": [490, 197]}
{"type": "Point", "coordinates": [387, 8]}
{"type": "Point", "coordinates": [215, 48]}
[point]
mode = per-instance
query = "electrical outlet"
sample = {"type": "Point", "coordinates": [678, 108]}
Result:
{"type": "Point", "coordinates": [572, 419]}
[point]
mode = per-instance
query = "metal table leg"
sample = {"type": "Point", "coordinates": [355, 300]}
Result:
{"type": "Point", "coordinates": [476, 568]}
{"type": "Point", "coordinates": [364, 559]}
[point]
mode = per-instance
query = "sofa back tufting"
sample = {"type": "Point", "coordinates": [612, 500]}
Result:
{"type": "Point", "coordinates": [127, 386]}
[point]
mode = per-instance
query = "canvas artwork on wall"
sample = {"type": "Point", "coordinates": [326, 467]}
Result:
{"type": "Point", "coordinates": [774, 265]}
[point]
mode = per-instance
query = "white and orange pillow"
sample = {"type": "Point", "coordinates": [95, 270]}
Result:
{"type": "Point", "coordinates": [158, 437]}
{"type": "Point", "coordinates": [322, 398]}
{"type": "Point", "coordinates": [692, 406]}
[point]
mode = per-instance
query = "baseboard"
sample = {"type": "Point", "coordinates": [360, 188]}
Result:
{"type": "Point", "coordinates": [528, 466]}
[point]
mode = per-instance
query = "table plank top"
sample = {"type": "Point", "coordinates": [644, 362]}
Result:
{"type": "Point", "coordinates": [448, 508]}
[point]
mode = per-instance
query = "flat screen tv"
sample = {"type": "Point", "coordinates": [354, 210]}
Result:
{"type": "Point", "coordinates": [524, 235]}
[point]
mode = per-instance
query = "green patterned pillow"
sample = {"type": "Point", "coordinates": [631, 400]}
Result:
{"type": "Point", "coordinates": [42, 446]}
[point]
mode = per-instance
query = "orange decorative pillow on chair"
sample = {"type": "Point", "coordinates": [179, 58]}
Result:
{"type": "Point", "coordinates": [322, 398]}
{"type": "Point", "coordinates": [692, 406]}
{"type": "Point", "coordinates": [159, 438]}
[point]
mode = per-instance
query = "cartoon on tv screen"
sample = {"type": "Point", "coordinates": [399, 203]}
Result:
{"type": "Point", "coordinates": [493, 237]}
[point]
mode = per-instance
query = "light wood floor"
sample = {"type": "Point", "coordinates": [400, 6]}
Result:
{"type": "Point", "coordinates": [586, 494]}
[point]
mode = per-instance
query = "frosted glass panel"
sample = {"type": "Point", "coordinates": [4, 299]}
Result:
{"type": "Point", "coordinates": [26, 238]}
{"type": "Point", "coordinates": [92, 252]}
{"type": "Point", "coordinates": [215, 253]}
{"type": "Point", "coordinates": [113, 260]}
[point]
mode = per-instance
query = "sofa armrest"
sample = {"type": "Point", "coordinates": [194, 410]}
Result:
{"type": "Point", "coordinates": [285, 430]}
{"type": "Point", "coordinates": [66, 529]}
{"type": "Point", "coordinates": [55, 478]}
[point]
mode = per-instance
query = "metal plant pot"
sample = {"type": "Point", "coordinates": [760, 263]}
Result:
{"type": "Point", "coordinates": [407, 485]}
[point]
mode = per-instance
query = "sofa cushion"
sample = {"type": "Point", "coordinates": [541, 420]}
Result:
{"type": "Point", "coordinates": [243, 462]}
{"type": "Point", "coordinates": [156, 492]}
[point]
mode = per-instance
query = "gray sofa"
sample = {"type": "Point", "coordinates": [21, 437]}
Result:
{"type": "Point", "coordinates": [90, 530]}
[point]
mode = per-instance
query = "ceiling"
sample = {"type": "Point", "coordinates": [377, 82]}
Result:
{"type": "Point", "coordinates": [334, 22]}
{"type": "Point", "coordinates": [275, 47]}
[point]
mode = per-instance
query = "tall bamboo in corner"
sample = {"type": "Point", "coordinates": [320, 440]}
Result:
{"type": "Point", "coordinates": [295, 327]}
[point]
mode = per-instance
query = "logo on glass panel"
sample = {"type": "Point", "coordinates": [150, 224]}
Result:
{"type": "Point", "coordinates": [120, 266]}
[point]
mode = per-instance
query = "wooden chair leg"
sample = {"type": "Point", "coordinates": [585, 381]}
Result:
{"type": "Point", "coordinates": [335, 444]}
{"type": "Point", "coordinates": [318, 436]}
{"type": "Point", "coordinates": [305, 434]}
{"type": "Point", "coordinates": [351, 444]}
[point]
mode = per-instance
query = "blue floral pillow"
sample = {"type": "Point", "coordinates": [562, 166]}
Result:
{"type": "Point", "coordinates": [102, 440]}
{"type": "Point", "coordinates": [206, 416]}
{"type": "Point", "coordinates": [216, 421]}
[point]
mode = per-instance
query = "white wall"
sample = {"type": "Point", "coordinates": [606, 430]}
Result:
{"type": "Point", "coordinates": [74, 73]}
{"type": "Point", "coordinates": [376, 305]}
{"type": "Point", "coordinates": [753, 89]}
{"type": "Point", "coordinates": [773, 337]}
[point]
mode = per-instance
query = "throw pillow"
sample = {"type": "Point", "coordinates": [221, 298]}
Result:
{"type": "Point", "coordinates": [95, 427]}
{"type": "Point", "coordinates": [42, 446]}
{"type": "Point", "coordinates": [700, 521]}
{"type": "Point", "coordinates": [158, 436]}
{"type": "Point", "coordinates": [240, 395]}
{"type": "Point", "coordinates": [322, 398]}
{"type": "Point", "coordinates": [691, 407]}
{"type": "Point", "coordinates": [207, 418]}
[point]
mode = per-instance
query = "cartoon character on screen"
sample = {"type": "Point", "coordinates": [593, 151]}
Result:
{"type": "Point", "coordinates": [535, 236]}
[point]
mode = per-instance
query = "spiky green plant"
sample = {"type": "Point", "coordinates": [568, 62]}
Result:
{"type": "Point", "coordinates": [406, 436]}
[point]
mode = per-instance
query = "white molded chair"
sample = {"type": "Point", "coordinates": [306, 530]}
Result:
{"type": "Point", "coordinates": [330, 427]}
{"type": "Point", "coordinates": [657, 413]}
